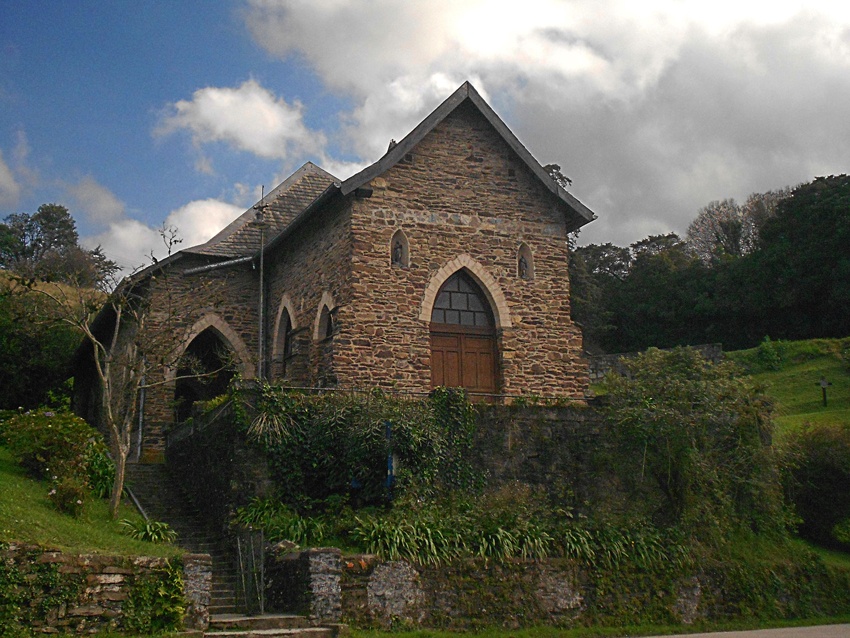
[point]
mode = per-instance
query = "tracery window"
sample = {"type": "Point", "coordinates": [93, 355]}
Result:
{"type": "Point", "coordinates": [461, 302]}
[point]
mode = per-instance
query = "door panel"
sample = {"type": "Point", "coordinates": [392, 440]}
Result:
{"type": "Point", "coordinates": [463, 360]}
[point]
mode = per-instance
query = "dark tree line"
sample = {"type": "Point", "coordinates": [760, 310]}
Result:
{"type": "Point", "coordinates": [777, 266]}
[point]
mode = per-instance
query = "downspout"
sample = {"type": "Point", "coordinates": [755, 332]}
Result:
{"type": "Point", "coordinates": [142, 393]}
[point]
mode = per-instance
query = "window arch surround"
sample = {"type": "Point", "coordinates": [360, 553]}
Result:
{"type": "Point", "coordinates": [488, 284]}
{"type": "Point", "coordinates": [399, 249]}
{"type": "Point", "coordinates": [230, 338]}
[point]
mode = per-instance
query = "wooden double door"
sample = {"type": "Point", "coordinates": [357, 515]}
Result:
{"type": "Point", "coordinates": [463, 359]}
{"type": "Point", "coordinates": [463, 338]}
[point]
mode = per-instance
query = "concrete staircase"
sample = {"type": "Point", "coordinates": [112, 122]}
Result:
{"type": "Point", "coordinates": [163, 501]}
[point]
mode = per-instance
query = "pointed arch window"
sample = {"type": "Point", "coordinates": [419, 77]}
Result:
{"type": "Point", "coordinates": [461, 302]}
{"type": "Point", "coordinates": [284, 341]}
{"type": "Point", "coordinates": [326, 323]}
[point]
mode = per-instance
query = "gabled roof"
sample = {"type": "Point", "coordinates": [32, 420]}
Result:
{"type": "Point", "coordinates": [242, 236]}
{"type": "Point", "coordinates": [310, 187]}
{"type": "Point", "coordinates": [579, 213]}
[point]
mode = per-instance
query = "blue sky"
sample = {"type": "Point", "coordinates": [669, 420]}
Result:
{"type": "Point", "coordinates": [135, 114]}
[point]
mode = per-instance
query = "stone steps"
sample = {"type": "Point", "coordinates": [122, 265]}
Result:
{"type": "Point", "coordinates": [288, 625]}
{"type": "Point", "coordinates": [163, 501]}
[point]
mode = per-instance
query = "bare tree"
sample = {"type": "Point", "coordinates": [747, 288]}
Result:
{"type": "Point", "coordinates": [719, 231]}
{"type": "Point", "coordinates": [129, 339]}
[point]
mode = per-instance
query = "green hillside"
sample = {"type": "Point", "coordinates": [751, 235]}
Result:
{"type": "Point", "coordinates": [27, 516]}
{"type": "Point", "coordinates": [791, 371]}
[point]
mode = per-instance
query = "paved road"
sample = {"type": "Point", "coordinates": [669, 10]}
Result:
{"type": "Point", "coordinates": [823, 631]}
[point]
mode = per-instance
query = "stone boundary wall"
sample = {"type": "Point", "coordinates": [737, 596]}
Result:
{"type": "Point", "coordinates": [307, 583]}
{"type": "Point", "coordinates": [367, 592]}
{"type": "Point", "coordinates": [601, 364]}
{"type": "Point", "coordinates": [86, 593]}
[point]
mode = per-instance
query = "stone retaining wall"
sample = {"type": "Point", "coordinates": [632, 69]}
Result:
{"type": "Point", "coordinates": [365, 591]}
{"type": "Point", "coordinates": [601, 364]}
{"type": "Point", "coordinates": [87, 593]}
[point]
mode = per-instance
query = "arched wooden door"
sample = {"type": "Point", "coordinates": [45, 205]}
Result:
{"type": "Point", "coordinates": [463, 337]}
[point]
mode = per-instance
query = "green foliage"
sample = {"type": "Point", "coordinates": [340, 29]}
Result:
{"type": "Point", "coordinates": [698, 436]}
{"type": "Point", "coordinates": [150, 531]}
{"type": "Point", "coordinates": [35, 351]}
{"type": "Point", "coordinates": [769, 355]}
{"type": "Point", "coordinates": [43, 583]}
{"type": "Point", "coordinates": [68, 495]}
{"type": "Point", "coordinates": [156, 601]}
{"type": "Point", "coordinates": [817, 479]}
{"type": "Point", "coordinates": [61, 448]}
{"type": "Point", "coordinates": [336, 444]}
{"type": "Point", "coordinates": [779, 266]}
{"type": "Point", "coordinates": [281, 523]}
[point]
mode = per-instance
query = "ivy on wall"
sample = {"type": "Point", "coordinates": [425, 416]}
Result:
{"type": "Point", "coordinates": [339, 444]}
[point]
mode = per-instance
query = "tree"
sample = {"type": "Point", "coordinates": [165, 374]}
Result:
{"type": "Point", "coordinates": [719, 231]}
{"type": "Point", "coordinates": [700, 435]}
{"type": "Point", "coordinates": [45, 246]}
{"type": "Point", "coordinates": [128, 341]}
{"type": "Point", "coordinates": [35, 352]}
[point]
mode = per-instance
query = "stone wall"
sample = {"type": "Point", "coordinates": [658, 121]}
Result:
{"type": "Point", "coordinates": [311, 271]}
{"type": "Point", "coordinates": [88, 593]}
{"type": "Point", "coordinates": [564, 450]}
{"type": "Point", "coordinates": [600, 364]}
{"type": "Point", "coordinates": [365, 591]}
{"type": "Point", "coordinates": [462, 199]}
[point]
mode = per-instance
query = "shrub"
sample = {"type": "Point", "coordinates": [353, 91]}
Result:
{"type": "Point", "coordinates": [150, 531]}
{"type": "Point", "coordinates": [69, 496]}
{"type": "Point", "coordinates": [694, 439]}
{"type": "Point", "coordinates": [63, 449]}
{"type": "Point", "coordinates": [817, 480]}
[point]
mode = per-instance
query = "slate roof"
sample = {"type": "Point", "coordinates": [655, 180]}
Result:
{"type": "Point", "coordinates": [242, 237]}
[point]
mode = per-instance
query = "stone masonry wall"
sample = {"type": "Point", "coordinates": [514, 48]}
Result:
{"type": "Point", "coordinates": [312, 269]}
{"type": "Point", "coordinates": [88, 593]}
{"type": "Point", "coordinates": [225, 300]}
{"type": "Point", "coordinates": [462, 191]}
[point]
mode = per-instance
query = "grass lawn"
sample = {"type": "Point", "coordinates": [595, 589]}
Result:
{"type": "Point", "coordinates": [795, 383]}
{"type": "Point", "coordinates": [27, 516]}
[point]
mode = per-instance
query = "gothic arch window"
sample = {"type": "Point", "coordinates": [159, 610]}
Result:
{"type": "Point", "coordinates": [525, 263]}
{"type": "Point", "coordinates": [399, 249]}
{"type": "Point", "coordinates": [284, 334]}
{"type": "Point", "coordinates": [463, 337]}
{"type": "Point", "coordinates": [326, 323]}
{"type": "Point", "coordinates": [283, 343]}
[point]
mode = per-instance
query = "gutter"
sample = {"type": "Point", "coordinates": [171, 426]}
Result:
{"type": "Point", "coordinates": [222, 264]}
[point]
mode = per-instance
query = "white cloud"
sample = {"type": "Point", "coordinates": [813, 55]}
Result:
{"type": "Point", "coordinates": [130, 242]}
{"type": "Point", "coordinates": [10, 189]}
{"type": "Point", "coordinates": [97, 203]}
{"type": "Point", "coordinates": [197, 221]}
{"type": "Point", "coordinates": [653, 108]}
{"type": "Point", "coordinates": [248, 117]}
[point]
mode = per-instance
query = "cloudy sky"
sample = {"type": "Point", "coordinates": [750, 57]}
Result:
{"type": "Point", "coordinates": [135, 114]}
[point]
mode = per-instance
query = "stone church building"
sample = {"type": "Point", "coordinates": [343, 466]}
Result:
{"type": "Point", "coordinates": [443, 263]}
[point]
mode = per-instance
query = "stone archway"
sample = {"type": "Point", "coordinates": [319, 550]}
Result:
{"type": "Point", "coordinates": [213, 355]}
{"type": "Point", "coordinates": [464, 314]}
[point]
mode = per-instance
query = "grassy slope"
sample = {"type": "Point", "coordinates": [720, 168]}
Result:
{"type": "Point", "coordinates": [795, 384]}
{"type": "Point", "coordinates": [27, 516]}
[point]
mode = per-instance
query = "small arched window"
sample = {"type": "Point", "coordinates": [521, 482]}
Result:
{"type": "Point", "coordinates": [525, 263]}
{"type": "Point", "coordinates": [399, 249]}
{"type": "Point", "coordinates": [326, 323]}
{"type": "Point", "coordinates": [284, 340]}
